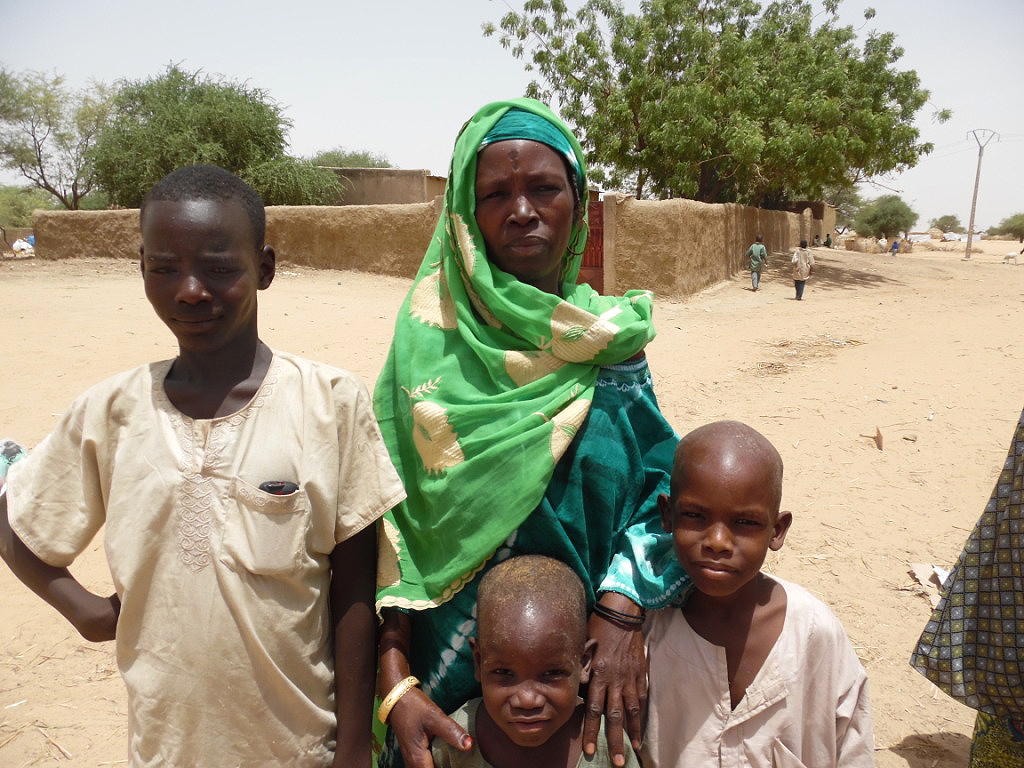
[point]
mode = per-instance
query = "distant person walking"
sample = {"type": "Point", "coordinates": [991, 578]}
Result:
{"type": "Point", "coordinates": [828, 240]}
{"type": "Point", "coordinates": [895, 247]}
{"type": "Point", "coordinates": [758, 256]}
{"type": "Point", "coordinates": [803, 267]}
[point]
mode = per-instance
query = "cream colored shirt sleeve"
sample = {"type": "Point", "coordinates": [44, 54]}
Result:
{"type": "Point", "coordinates": [56, 496]}
{"type": "Point", "coordinates": [368, 484]}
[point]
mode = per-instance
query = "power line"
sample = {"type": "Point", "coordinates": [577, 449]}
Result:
{"type": "Point", "coordinates": [960, 151]}
{"type": "Point", "coordinates": [950, 145]}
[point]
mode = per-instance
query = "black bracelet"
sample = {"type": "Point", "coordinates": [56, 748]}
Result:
{"type": "Point", "coordinates": [627, 625]}
{"type": "Point", "coordinates": [622, 614]}
{"type": "Point", "coordinates": [626, 620]}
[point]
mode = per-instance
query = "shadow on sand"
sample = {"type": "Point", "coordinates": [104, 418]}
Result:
{"type": "Point", "coordinates": [832, 273]}
{"type": "Point", "coordinates": [934, 750]}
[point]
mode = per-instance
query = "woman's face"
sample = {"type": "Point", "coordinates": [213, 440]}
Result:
{"type": "Point", "coordinates": [525, 210]}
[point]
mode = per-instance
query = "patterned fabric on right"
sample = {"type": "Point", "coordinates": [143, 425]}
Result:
{"type": "Point", "coordinates": [973, 645]}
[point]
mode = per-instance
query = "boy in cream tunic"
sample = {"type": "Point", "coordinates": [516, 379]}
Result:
{"type": "Point", "coordinates": [752, 670]}
{"type": "Point", "coordinates": [239, 488]}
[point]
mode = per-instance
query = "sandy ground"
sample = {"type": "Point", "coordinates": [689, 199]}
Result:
{"type": "Point", "coordinates": [924, 348]}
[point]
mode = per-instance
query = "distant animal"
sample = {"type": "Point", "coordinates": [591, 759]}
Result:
{"type": "Point", "coordinates": [1012, 256]}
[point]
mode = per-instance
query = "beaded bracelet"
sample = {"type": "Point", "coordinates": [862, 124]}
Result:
{"type": "Point", "coordinates": [626, 620]}
{"type": "Point", "coordinates": [400, 689]}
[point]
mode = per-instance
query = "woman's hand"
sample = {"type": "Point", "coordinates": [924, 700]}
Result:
{"type": "Point", "coordinates": [416, 720]}
{"type": "Point", "coordinates": [618, 680]}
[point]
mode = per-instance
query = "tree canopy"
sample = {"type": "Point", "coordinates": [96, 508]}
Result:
{"type": "Point", "coordinates": [722, 100]}
{"type": "Point", "coordinates": [17, 204]}
{"type": "Point", "coordinates": [180, 118]}
{"type": "Point", "coordinates": [948, 223]}
{"type": "Point", "coordinates": [887, 215]}
{"type": "Point", "coordinates": [1011, 225]}
{"type": "Point", "coordinates": [846, 200]}
{"type": "Point", "coordinates": [48, 132]}
{"type": "Point", "coordinates": [339, 157]}
{"type": "Point", "coordinates": [284, 180]}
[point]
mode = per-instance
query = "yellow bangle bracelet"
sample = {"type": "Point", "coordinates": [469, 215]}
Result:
{"type": "Point", "coordinates": [400, 689]}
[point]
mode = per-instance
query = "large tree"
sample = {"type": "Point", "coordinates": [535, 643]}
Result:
{"type": "Point", "coordinates": [47, 132]}
{"type": "Point", "coordinates": [887, 215]}
{"type": "Point", "coordinates": [722, 100]}
{"type": "Point", "coordinates": [180, 118]}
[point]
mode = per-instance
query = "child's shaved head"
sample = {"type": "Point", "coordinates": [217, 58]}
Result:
{"type": "Point", "coordinates": [530, 655]}
{"type": "Point", "coordinates": [209, 182]}
{"type": "Point", "coordinates": [527, 584]}
{"type": "Point", "coordinates": [731, 442]}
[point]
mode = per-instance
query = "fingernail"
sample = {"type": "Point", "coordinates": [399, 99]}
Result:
{"type": "Point", "coordinates": [590, 747]}
{"type": "Point", "coordinates": [467, 742]}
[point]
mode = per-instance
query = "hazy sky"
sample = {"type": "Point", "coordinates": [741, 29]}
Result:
{"type": "Point", "coordinates": [401, 76]}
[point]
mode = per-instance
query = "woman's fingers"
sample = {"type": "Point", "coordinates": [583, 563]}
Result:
{"type": "Point", "coordinates": [613, 723]}
{"type": "Point", "coordinates": [605, 692]}
{"type": "Point", "coordinates": [595, 707]}
{"type": "Point", "coordinates": [416, 720]}
{"type": "Point", "coordinates": [449, 731]}
{"type": "Point", "coordinates": [618, 679]}
{"type": "Point", "coordinates": [634, 692]}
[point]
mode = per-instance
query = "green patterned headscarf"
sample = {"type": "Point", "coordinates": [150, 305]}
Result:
{"type": "Point", "coordinates": [486, 384]}
{"type": "Point", "coordinates": [520, 124]}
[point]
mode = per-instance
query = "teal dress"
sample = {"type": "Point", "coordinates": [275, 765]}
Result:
{"type": "Point", "coordinates": [599, 515]}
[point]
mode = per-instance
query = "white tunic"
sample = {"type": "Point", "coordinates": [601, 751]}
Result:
{"type": "Point", "coordinates": [224, 636]}
{"type": "Point", "coordinates": [806, 707]}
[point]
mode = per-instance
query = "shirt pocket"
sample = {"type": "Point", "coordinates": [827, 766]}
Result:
{"type": "Point", "coordinates": [782, 757]}
{"type": "Point", "coordinates": [265, 534]}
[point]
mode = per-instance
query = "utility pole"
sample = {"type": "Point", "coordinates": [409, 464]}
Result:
{"type": "Point", "coordinates": [983, 139]}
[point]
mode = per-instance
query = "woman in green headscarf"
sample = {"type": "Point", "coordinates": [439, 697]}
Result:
{"type": "Point", "coordinates": [518, 409]}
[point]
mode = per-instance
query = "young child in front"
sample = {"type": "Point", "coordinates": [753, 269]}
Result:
{"type": "Point", "coordinates": [239, 488]}
{"type": "Point", "coordinates": [530, 654]}
{"type": "Point", "coordinates": [752, 670]}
